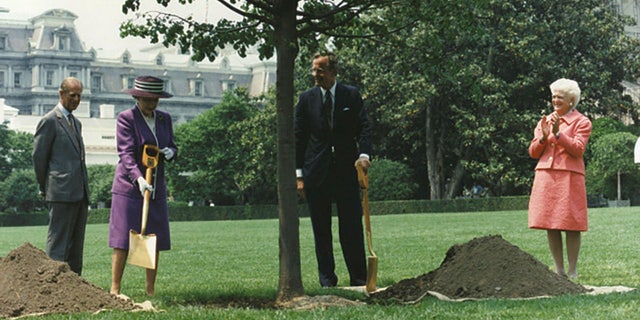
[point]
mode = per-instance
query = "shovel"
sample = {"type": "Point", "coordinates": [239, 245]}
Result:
{"type": "Point", "coordinates": [142, 248]}
{"type": "Point", "coordinates": [372, 260]}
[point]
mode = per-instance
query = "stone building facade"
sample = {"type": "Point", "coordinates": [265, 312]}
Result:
{"type": "Point", "coordinates": [37, 54]}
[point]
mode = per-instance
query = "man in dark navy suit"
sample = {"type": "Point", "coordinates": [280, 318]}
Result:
{"type": "Point", "coordinates": [332, 133]}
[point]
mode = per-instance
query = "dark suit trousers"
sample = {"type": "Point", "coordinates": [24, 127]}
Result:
{"type": "Point", "coordinates": [345, 191]}
{"type": "Point", "coordinates": [65, 238]}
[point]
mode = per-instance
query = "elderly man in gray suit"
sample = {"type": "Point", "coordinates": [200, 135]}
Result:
{"type": "Point", "coordinates": [59, 162]}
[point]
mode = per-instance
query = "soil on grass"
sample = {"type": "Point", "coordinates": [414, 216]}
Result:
{"type": "Point", "coordinates": [33, 283]}
{"type": "Point", "coordinates": [485, 267]}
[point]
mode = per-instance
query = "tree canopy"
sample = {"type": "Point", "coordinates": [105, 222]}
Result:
{"type": "Point", "coordinates": [457, 89]}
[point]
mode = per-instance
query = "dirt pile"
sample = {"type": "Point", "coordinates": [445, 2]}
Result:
{"type": "Point", "coordinates": [32, 283]}
{"type": "Point", "coordinates": [486, 267]}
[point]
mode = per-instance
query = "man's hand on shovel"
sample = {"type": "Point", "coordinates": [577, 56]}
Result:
{"type": "Point", "coordinates": [364, 164]}
{"type": "Point", "coordinates": [300, 187]}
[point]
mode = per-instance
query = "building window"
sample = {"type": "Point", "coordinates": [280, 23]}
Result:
{"type": "Point", "coordinates": [197, 89]}
{"type": "Point", "coordinates": [96, 83]}
{"type": "Point", "coordinates": [2, 79]}
{"type": "Point", "coordinates": [48, 78]}
{"type": "Point", "coordinates": [62, 43]}
{"type": "Point", "coordinates": [126, 59]}
{"type": "Point", "coordinates": [128, 81]}
{"type": "Point", "coordinates": [167, 86]}
{"type": "Point", "coordinates": [3, 43]}
{"type": "Point", "coordinates": [17, 80]}
{"type": "Point", "coordinates": [159, 60]}
{"type": "Point", "coordinates": [73, 74]}
{"type": "Point", "coordinates": [228, 85]}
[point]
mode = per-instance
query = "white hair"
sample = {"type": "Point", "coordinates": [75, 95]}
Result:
{"type": "Point", "coordinates": [569, 87]}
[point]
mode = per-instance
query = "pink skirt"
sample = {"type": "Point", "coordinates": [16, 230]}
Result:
{"type": "Point", "coordinates": [558, 201]}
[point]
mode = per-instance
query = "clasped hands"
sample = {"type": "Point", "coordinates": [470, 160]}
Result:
{"type": "Point", "coordinates": [548, 125]}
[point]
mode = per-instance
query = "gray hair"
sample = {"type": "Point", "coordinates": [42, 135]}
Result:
{"type": "Point", "coordinates": [569, 87]}
{"type": "Point", "coordinates": [332, 58]}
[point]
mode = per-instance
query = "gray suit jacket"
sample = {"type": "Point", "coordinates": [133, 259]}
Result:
{"type": "Point", "coordinates": [59, 159]}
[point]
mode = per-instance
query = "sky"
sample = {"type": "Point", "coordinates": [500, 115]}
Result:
{"type": "Point", "coordinates": [98, 20]}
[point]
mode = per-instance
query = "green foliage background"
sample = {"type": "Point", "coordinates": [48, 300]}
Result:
{"type": "Point", "coordinates": [453, 88]}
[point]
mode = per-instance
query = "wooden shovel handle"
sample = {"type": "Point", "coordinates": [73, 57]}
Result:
{"type": "Point", "coordinates": [150, 156]}
{"type": "Point", "coordinates": [145, 204]}
{"type": "Point", "coordinates": [363, 179]}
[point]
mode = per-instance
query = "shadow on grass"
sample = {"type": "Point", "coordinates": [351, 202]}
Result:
{"type": "Point", "coordinates": [264, 300]}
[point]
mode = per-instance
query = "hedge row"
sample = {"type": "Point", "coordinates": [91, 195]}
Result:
{"type": "Point", "coordinates": [181, 212]}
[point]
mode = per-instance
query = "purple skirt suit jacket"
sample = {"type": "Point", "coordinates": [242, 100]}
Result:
{"type": "Point", "coordinates": [132, 133]}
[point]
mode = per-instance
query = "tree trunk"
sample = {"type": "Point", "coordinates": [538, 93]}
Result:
{"type": "Point", "coordinates": [455, 181]}
{"type": "Point", "coordinates": [619, 187]}
{"type": "Point", "coordinates": [290, 280]}
{"type": "Point", "coordinates": [430, 147]}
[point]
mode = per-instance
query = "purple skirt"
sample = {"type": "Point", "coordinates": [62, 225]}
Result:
{"type": "Point", "coordinates": [126, 214]}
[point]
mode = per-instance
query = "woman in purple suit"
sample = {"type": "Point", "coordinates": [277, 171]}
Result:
{"type": "Point", "coordinates": [140, 125]}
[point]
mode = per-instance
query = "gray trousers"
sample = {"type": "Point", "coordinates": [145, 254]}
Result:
{"type": "Point", "coordinates": [65, 238]}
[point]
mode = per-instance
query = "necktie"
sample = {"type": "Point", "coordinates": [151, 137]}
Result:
{"type": "Point", "coordinates": [73, 128]}
{"type": "Point", "coordinates": [326, 109]}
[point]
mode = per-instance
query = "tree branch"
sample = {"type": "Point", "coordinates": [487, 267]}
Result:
{"type": "Point", "coordinates": [258, 4]}
{"type": "Point", "coordinates": [313, 26]}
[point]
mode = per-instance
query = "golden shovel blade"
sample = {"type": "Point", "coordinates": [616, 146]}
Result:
{"type": "Point", "coordinates": [372, 271]}
{"type": "Point", "coordinates": [142, 250]}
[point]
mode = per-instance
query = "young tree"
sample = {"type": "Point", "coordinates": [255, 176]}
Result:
{"type": "Point", "coordinates": [275, 27]}
{"type": "Point", "coordinates": [612, 156]}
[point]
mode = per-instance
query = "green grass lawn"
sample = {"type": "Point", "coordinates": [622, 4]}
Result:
{"type": "Point", "coordinates": [215, 261]}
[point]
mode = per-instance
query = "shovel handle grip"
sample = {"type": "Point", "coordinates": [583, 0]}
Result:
{"type": "Point", "coordinates": [150, 156]}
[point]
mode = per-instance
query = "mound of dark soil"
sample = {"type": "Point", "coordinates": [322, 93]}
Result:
{"type": "Point", "coordinates": [486, 267]}
{"type": "Point", "coordinates": [32, 283]}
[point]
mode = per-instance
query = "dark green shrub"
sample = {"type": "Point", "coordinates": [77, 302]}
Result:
{"type": "Point", "coordinates": [390, 180]}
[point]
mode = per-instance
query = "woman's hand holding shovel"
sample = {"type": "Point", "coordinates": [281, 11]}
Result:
{"type": "Point", "coordinates": [143, 185]}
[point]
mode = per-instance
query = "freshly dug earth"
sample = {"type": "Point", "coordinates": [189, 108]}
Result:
{"type": "Point", "coordinates": [33, 283]}
{"type": "Point", "coordinates": [486, 267]}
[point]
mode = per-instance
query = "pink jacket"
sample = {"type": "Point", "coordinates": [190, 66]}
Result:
{"type": "Point", "coordinates": [566, 152]}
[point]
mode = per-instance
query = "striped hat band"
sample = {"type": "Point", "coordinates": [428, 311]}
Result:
{"type": "Point", "coordinates": [148, 87]}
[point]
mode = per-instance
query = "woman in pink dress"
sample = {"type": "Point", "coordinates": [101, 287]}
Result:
{"type": "Point", "coordinates": [558, 197]}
